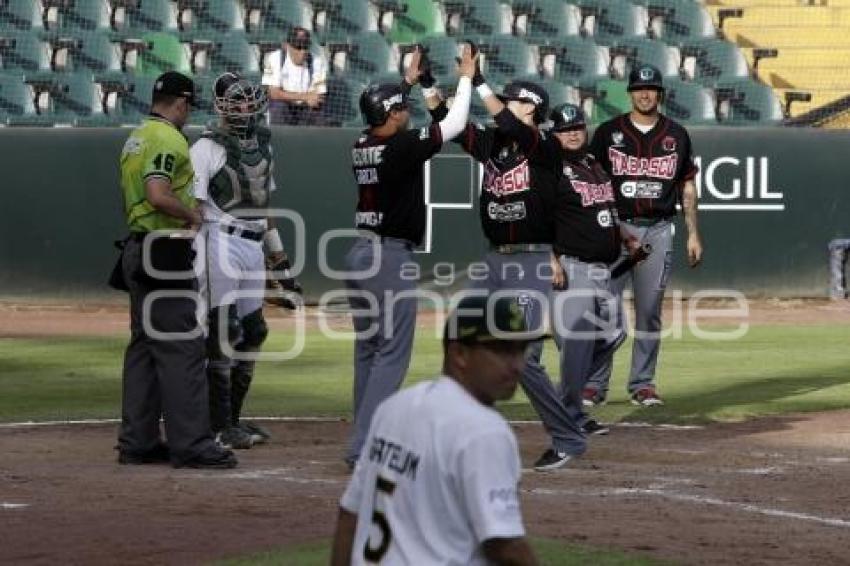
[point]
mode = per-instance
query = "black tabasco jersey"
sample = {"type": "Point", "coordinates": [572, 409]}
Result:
{"type": "Point", "coordinates": [648, 170]}
{"type": "Point", "coordinates": [389, 175]}
{"type": "Point", "coordinates": [585, 212]}
{"type": "Point", "coordinates": [520, 179]}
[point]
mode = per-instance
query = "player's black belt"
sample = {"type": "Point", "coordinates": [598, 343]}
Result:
{"type": "Point", "coordinates": [247, 234]}
{"type": "Point", "coordinates": [520, 248]}
{"type": "Point", "coordinates": [407, 244]}
{"type": "Point", "coordinates": [645, 221]}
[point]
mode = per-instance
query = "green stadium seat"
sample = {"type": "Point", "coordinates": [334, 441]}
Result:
{"type": "Point", "coordinates": [505, 57]}
{"type": "Point", "coordinates": [573, 60]}
{"type": "Point", "coordinates": [442, 51]}
{"type": "Point", "coordinates": [342, 102]}
{"type": "Point", "coordinates": [361, 58]}
{"type": "Point", "coordinates": [335, 20]}
{"type": "Point", "coordinates": [218, 16]}
{"type": "Point", "coordinates": [23, 50]}
{"type": "Point", "coordinates": [282, 15]}
{"type": "Point", "coordinates": [63, 99]}
{"type": "Point", "coordinates": [616, 19]}
{"type": "Point", "coordinates": [216, 54]}
{"type": "Point", "coordinates": [747, 102]}
{"type": "Point", "coordinates": [476, 17]}
{"type": "Point", "coordinates": [611, 99]}
{"type": "Point", "coordinates": [710, 61]}
{"type": "Point", "coordinates": [677, 21]}
{"type": "Point", "coordinates": [16, 99]}
{"type": "Point", "coordinates": [73, 50]}
{"type": "Point", "coordinates": [19, 15]}
{"type": "Point", "coordinates": [625, 53]}
{"type": "Point", "coordinates": [558, 92]}
{"type": "Point", "coordinates": [416, 21]}
{"type": "Point", "coordinates": [153, 53]}
{"type": "Point", "coordinates": [124, 99]}
{"type": "Point", "coordinates": [142, 15]}
{"type": "Point", "coordinates": [689, 102]}
{"type": "Point", "coordinates": [83, 15]}
{"type": "Point", "coordinates": [542, 19]}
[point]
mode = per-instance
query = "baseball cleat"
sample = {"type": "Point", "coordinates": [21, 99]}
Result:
{"type": "Point", "coordinates": [258, 434]}
{"type": "Point", "coordinates": [594, 427]}
{"type": "Point", "coordinates": [591, 397]}
{"type": "Point", "coordinates": [234, 438]}
{"type": "Point", "coordinates": [646, 397]}
{"type": "Point", "coordinates": [551, 460]}
{"type": "Point", "coordinates": [157, 455]}
{"type": "Point", "coordinates": [217, 458]}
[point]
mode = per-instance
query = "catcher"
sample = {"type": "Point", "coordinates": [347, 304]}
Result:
{"type": "Point", "coordinates": [233, 182]}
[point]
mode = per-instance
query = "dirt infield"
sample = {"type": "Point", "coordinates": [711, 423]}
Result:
{"type": "Point", "coordinates": [31, 320]}
{"type": "Point", "coordinates": [766, 491]}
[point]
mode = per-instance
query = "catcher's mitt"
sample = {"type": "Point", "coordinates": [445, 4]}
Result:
{"type": "Point", "coordinates": [282, 289]}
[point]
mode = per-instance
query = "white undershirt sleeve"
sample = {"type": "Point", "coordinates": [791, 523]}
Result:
{"type": "Point", "coordinates": [454, 123]}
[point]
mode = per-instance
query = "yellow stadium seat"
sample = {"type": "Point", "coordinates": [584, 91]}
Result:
{"type": "Point", "coordinates": [786, 36]}
{"type": "Point", "coordinates": [789, 16]}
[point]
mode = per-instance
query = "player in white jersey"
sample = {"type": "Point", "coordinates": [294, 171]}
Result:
{"type": "Point", "coordinates": [437, 481]}
{"type": "Point", "coordinates": [233, 182]}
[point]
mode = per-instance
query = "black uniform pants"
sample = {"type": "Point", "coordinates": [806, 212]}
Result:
{"type": "Point", "coordinates": [162, 377]}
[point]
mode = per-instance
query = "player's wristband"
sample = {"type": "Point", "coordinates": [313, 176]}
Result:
{"type": "Point", "coordinates": [272, 240]}
{"type": "Point", "coordinates": [430, 92]}
{"type": "Point", "coordinates": [484, 91]}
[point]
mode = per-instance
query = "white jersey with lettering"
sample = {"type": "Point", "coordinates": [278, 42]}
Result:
{"type": "Point", "coordinates": [437, 477]}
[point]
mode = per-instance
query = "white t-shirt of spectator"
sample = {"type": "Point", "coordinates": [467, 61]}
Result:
{"type": "Point", "coordinates": [294, 78]}
{"type": "Point", "coordinates": [437, 477]}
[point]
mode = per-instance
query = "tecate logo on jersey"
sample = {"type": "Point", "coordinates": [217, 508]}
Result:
{"type": "Point", "coordinates": [508, 212]}
{"type": "Point", "coordinates": [592, 193]}
{"type": "Point", "coordinates": [730, 182]}
{"type": "Point", "coordinates": [516, 180]}
{"type": "Point", "coordinates": [641, 189]}
{"type": "Point", "coordinates": [361, 156]}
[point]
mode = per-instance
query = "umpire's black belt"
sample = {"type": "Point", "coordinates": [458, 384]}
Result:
{"type": "Point", "coordinates": [520, 248]}
{"type": "Point", "coordinates": [247, 234]}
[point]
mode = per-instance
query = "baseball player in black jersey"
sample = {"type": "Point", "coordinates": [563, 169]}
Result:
{"type": "Point", "coordinates": [521, 169]}
{"type": "Point", "coordinates": [649, 159]}
{"type": "Point", "coordinates": [387, 161]}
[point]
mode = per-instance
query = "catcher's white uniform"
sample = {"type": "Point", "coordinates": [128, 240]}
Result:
{"type": "Point", "coordinates": [437, 477]}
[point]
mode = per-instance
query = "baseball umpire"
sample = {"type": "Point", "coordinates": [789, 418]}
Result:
{"type": "Point", "coordinates": [521, 168]}
{"type": "Point", "coordinates": [163, 376]}
{"type": "Point", "coordinates": [649, 158]}
{"type": "Point", "coordinates": [439, 482]}
{"type": "Point", "coordinates": [233, 182]}
{"type": "Point", "coordinates": [388, 161]}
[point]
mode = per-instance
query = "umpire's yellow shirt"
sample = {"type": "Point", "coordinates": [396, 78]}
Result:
{"type": "Point", "coordinates": [155, 149]}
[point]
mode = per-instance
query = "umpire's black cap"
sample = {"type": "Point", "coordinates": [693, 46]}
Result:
{"type": "Point", "coordinates": [527, 91]}
{"type": "Point", "coordinates": [175, 84]}
{"type": "Point", "coordinates": [645, 76]}
{"type": "Point", "coordinates": [488, 318]}
{"type": "Point", "coordinates": [567, 117]}
{"type": "Point", "coordinates": [378, 100]}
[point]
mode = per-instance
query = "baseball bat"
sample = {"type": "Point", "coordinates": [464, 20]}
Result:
{"type": "Point", "coordinates": [633, 259]}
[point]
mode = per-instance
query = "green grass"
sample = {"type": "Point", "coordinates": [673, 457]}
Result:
{"type": "Point", "coordinates": [772, 370]}
{"type": "Point", "coordinates": [549, 553]}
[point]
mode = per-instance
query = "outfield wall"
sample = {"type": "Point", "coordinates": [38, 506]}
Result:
{"type": "Point", "coordinates": [771, 199]}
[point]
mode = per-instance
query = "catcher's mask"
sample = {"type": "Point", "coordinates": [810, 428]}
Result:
{"type": "Point", "coordinates": [240, 103]}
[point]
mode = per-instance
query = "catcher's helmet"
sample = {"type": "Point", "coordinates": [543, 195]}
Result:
{"type": "Point", "coordinates": [567, 117]}
{"type": "Point", "coordinates": [645, 76]}
{"type": "Point", "coordinates": [378, 100]}
{"type": "Point", "coordinates": [239, 102]}
{"type": "Point", "coordinates": [527, 91]}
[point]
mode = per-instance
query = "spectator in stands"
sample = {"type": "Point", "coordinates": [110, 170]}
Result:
{"type": "Point", "coordinates": [296, 81]}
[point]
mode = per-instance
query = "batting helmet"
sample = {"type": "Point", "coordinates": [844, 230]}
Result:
{"type": "Point", "coordinates": [567, 117]}
{"type": "Point", "coordinates": [645, 76]}
{"type": "Point", "coordinates": [239, 102]}
{"type": "Point", "coordinates": [378, 100]}
{"type": "Point", "coordinates": [527, 91]}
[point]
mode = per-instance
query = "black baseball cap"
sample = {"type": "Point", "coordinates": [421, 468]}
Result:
{"type": "Point", "coordinates": [645, 76]}
{"type": "Point", "coordinates": [175, 84]}
{"type": "Point", "coordinates": [488, 318]}
{"type": "Point", "coordinates": [298, 37]}
{"type": "Point", "coordinates": [566, 117]}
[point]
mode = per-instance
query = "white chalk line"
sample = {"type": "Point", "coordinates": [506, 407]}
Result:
{"type": "Point", "coordinates": [309, 419]}
{"type": "Point", "coordinates": [5, 505]}
{"type": "Point", "coordinates": [698, 499]}
{"type": "Point", "coordinates": [282, 474]}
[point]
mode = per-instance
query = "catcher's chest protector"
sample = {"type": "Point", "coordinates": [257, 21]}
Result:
{"type": "Point", "coordinates": [244, 180]}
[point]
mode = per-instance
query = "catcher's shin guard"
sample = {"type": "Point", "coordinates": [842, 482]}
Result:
{"type": "Point", "coordinates": [254, 333]}
{"type": "Point", "coordinates": [219, 364]}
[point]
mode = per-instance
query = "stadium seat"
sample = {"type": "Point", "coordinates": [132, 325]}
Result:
{"type": "Point", "coordinates": [627, 52]}
{"type": "Point", "coordinates": [573, 60]}
{"type": "Point", "coordinates": [747, 102]}
{"type": "Point", "coordinates": [505, 57]}
{"type": "Point", "coordinates": [677, 21]}
{"type": "Point", "coordinates": [541, 19]}
{"type": "Point", "coordinates": [442, 51]}
{"type": "Point", "coordinates": [710, 61]}
{"type": "Point", "coordinates": [786, 36]}
{"type": "Point", "coordinates": [19, 15]}
{"type": "Point", "coordinates": [361, 58]}
{"type": "Point", "coordinates": [281, 15]}
{"type": "Point", "coordinates": [125, 99]}
{"type": "Point", "coordinates": [23, 50]}
{"type": "Point", "coordinates": [689, 103]}
{"type": "Point", "coordinates": [616, 19]}
{"type": "Point", "coordinates": [558, 92]}
{"type": "Point", "coordinates": [611, 99]}
{"type": "Point", "coordinates": [476, 17]}
{"type": "Point", "coordinates": [142, 15]}
{"type": "Point", "coordinates": [153, 53]}
{"type": "Point", "coordinates": [16, 99]}
{"type": "Point", "coordinates": [62, 99]}
{"type": "Point", "coordinates": [218, 16]}
{"type": "Point", "coordinates": [77, 50]}
{"type": "Point", "coordinates": [418, 20]}
{"type": "Point", "coordinates": [84, 15]}
{"type": "Point", "coordinates": [335, 20]}
{"type": "Point", "coordinates": [230, 52]}
{"type": "Point", "coordinates": [342, 102]}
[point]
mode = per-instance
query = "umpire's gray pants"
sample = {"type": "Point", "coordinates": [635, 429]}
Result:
{"type": "Point", "coordinates": [384, 323]}
{"type": "Point", "coordinates": [162, 377]}
{"type": "Point", "coordinates": [531, 272]}
{"type": "Point", "coordinates": [585, 327]}
{"type": "Point", "coordinates": [649, 281]}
